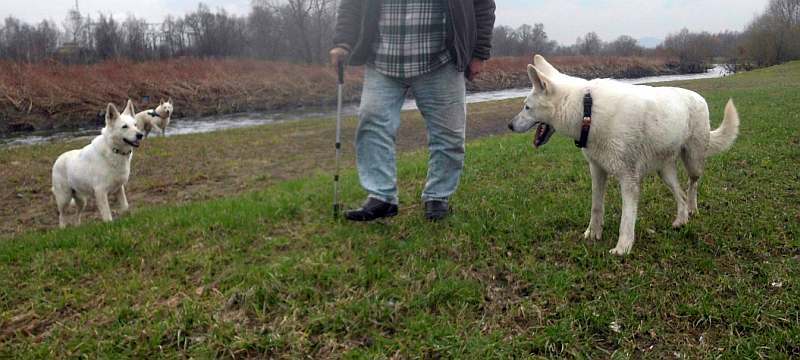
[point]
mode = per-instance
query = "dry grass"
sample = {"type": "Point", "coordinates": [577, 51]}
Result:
{"type": "Point", "coordinates": [52, 95]}
{"type": "Point", "coordinates": [47, 95]}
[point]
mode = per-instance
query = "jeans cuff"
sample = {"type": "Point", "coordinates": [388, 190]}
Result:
{"type": "Point", "coordinates": [431, 198]}
{"type": "Point", "coordinates": [392, 201]}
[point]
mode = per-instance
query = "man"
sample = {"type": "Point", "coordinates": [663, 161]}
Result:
{"type": "Point", "coordinates": [427, 47]}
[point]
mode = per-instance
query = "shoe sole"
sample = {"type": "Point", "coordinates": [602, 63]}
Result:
{"type": "Point", "coordinates": [436, 217]}
{"type": "Point", "coordinates": [387, 216]}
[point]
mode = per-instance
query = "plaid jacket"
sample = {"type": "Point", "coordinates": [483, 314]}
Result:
{"type": "Point", "coordinates": [469, 30]}
{"type": "Point", "coordinates": [412, 38]}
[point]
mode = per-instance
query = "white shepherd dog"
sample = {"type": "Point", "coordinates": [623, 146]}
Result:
{"type": "Point", "coordinates": [100, 168]}
{"type": "Point", "coordinates": [158, 118]}
{"type": "Point", "coordinates": [635, 130]}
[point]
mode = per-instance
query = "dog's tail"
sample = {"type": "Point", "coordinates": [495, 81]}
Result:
{"type": "Point", "coordinates": [723, 137]}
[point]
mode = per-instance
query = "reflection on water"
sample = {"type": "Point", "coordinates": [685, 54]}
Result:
{"type": "Point", "coordinates": [221, 122]}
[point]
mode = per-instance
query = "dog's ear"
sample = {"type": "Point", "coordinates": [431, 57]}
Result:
{"type": "Point", "coordinates": [112, 114]}
{"type": "Point", "coordinates": [129, 110]}
{"type": "Point", "coordinates": [161, 102]}
{"type": "Point", "coordinates": [544, 66]}
{"type": "Point", "coordinates": [169, 100]}
{"type": "Point", "coordinates": [540, 81]}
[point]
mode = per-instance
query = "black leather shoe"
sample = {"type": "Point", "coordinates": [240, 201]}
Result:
{"type": "Point", "coordinates": [373, 209]}
{"type": "Point", "coordinates": [436, 210]}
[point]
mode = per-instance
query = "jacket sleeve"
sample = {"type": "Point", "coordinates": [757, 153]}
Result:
{"type": "Point", "coordinates": [348, 24]}
{"type": "Point", "coordinates": [484, 22]}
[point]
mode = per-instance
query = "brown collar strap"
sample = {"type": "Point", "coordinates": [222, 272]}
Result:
{"type": "Point", "coordinates": [586, 124]}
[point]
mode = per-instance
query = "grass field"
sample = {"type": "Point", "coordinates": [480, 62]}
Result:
{"type": "Point", "coordinates": [269, 274]}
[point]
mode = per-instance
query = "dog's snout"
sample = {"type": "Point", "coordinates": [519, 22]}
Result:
{"type": "Point", "coordinates": [139, 136]}
{"type": "Point", "coordinates": [511, 126]}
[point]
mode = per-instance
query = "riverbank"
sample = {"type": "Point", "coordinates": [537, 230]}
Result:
{"type": "Point", "coordinates": [263, 272]}
{"type": "Point", "coordinates": [510, 73]}
{"type": "Point", "coordinates": [35, 97]}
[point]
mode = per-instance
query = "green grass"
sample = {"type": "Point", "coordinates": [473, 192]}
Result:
{"type": "Point", "coordinates": [269, 274]}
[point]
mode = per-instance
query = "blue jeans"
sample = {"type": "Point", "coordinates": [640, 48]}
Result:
{"type": "Point", "coordinates": [440, 97]}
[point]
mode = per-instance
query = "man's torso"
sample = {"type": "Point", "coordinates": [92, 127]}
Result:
{"type": "Point", "coordinates": [412, 38]}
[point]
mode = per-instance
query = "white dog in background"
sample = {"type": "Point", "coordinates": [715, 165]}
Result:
{"type": "Point", "coordinates": [635, 130]}
{"type": "Point", "coordinates": [100, 168]}
{"type": "Point", "coordinates": [157, 118]}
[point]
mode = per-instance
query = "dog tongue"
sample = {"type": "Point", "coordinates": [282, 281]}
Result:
{"type": "Point", "coordinates": [541, 132]}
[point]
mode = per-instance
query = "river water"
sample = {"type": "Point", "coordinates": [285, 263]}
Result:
{"type": "Point", "coordinates": [221, 122]}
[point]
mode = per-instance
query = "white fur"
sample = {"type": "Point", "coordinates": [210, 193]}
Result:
{"type": "Point", "coordinates": [636, 130]}
{"type": "Point", "coordinates": [147, 122]}
{"type": "Point", "coordinates": [98, 169]}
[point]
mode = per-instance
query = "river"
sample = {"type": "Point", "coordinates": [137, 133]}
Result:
{"type": "Point", "coordinates": [221, 122]}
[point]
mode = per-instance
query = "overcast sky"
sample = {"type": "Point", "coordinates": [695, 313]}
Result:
{"type": "Point", "coordinates": [564, 20]}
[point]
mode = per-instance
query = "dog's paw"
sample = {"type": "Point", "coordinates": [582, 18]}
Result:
{"type": "Point", "coordinates": [589, 234]}
{"type": "Point", "coordinates": [619, 252]}
{"type": "Point", "coordinates": [622, 248]}
{"type": "Point", "coordinates": [679, 222]}
{"type": "Point", "coordinates": [693, 211]}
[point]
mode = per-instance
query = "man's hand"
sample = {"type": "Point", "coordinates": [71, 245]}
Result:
{"type": "Point", "coordinates": [338, 55]}
{"type": "Point", "coordinates": [475, 68]}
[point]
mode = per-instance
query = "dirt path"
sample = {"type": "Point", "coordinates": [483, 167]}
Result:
{"type": "Point", "coordinates": [188, 168]}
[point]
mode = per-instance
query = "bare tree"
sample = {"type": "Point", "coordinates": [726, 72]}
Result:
{"type": "Point", "coordinates": [108, 38]}
{"type": "Point", "coordinates": [524, 40]}
{"type": "Point", "coordinates": [23, 42]}
{"type": "Point", "coordinates": [533, 39]}
{"type": "Point", "coordinates": [624, 46]}
{"type": "Point", "coordinates": [774, 37]}
{"type": "Point", "coordinates": [299, 14]}
{"type": "Point", "coordinates": [503, 41]}
{"type": "Point", "coordinates": [135, 33]}
{"type": "Point", "coordinates": [173, 38]}
{"type": "Point", "coordinates": [265, 29]}
{"type": "Point", "coordinates": [323, 15]}
{"type": "Point", "coordinates": [693, 50]}
{"type": "Point", "coordinates": [589, 45]}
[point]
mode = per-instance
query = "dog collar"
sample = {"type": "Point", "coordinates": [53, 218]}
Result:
{"type": "Point", "coordinates": [586, 124]}
{"type": "Point", "coordinates": [154, 114]}
{"type": "Point", "coordinates": [120, 152]}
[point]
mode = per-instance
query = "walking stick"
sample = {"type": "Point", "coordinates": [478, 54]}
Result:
{"type": "Point", "coordinates": [339, 88]}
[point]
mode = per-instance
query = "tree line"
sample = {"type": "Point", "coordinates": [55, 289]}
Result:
{"type": "Point", "coordinates": [289, 30]}
{"type": "Point", "coordinates": [771, 38]}
{"type": "Point", "coordinates": [528, 39]}
{"type": "Point", "coordinates": [301, 31]}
